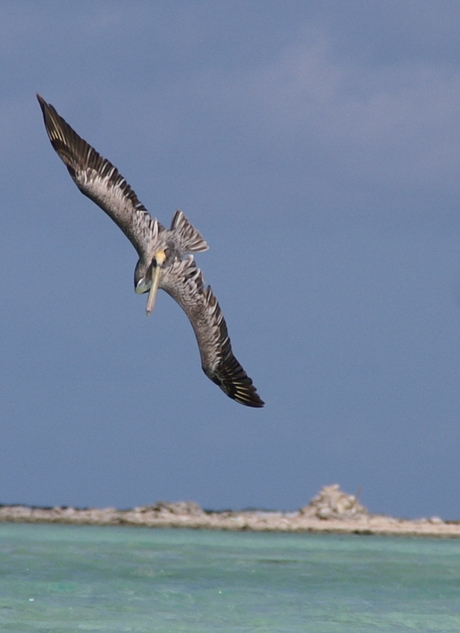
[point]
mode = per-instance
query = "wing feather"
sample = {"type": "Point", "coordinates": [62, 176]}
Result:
{"type": "Point", "coordinates": [184, 282]}
{"type": "Point", "coordinates": [100, 181]}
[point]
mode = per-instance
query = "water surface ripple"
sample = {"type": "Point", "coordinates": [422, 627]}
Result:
{"type": "Point", "coordinates": [65, 578]}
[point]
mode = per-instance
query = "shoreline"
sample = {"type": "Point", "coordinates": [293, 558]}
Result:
{"type": "Point", "coordinates": [253, 521]}
{"type": "Point", "coordinates": [330, 512]}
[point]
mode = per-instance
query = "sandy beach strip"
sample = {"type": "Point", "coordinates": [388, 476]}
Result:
{"type": "Point", "coordinates": [331, 511]}
{"type": "Point", "coordinates": [256, 521]}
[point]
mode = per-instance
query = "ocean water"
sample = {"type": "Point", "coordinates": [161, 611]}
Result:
{"type": "Point", "coordinates": [57, 578]}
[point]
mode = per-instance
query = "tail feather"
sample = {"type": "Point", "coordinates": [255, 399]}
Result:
{"type": "Point", "coordinates": [190, 239]}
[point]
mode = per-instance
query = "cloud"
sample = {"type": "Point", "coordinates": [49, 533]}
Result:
{"type": "Point", "coordinates": [396, 124]}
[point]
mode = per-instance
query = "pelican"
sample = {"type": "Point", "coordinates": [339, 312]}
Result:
{"type": "Point", "coordinates": [165, 255]}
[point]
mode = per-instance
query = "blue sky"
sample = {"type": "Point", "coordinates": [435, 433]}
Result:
{"type": "Point", "coordinates": [316, 146]}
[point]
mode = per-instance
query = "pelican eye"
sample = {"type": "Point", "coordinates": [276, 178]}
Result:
{"type": "Point", "coordinates": [142, 286]}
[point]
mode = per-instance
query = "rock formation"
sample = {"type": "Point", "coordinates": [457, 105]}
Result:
{"type": "Point", "coordinates": [332, 503]}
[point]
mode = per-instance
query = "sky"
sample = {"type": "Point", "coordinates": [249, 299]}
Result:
{"type": "Point", "coordinates": [316, 147]}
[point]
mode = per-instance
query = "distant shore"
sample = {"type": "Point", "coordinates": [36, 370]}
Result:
{"type": "Point", "coordinates": [255, 521]}
{"type": "Point", "coordinates": [331, 511]}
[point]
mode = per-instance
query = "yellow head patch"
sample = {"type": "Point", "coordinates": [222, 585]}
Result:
{"type": "Point", "coordinates": [160, 257]}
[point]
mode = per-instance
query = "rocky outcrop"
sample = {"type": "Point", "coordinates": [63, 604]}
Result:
{"type": "Point", "coordinates": [330, 511]}
{"type": "Point", "coordinates": [332, 503]}
{"type": "Point", "coordinates": [189, 508]}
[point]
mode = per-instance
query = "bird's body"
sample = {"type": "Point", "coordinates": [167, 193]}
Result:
{"type": "Point", "coordinates": [165, 255]}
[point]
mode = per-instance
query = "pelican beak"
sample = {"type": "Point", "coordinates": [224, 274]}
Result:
{"type": "Point", "coordinates": [159, 258]}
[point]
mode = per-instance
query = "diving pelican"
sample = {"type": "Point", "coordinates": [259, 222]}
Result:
{"type": "Point", "coordinates": [162, 262]}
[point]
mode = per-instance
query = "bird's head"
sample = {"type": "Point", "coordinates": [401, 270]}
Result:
{"type": "Point", "coordinates": [147, 277]}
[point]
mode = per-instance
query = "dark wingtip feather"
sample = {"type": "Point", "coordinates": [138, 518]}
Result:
{"type": "Point", "coordinates": [245, 394]}
{"type": "Point", "coordinates": [235, 382]}
{"type": "Point", "coordinates": [249, 398]}
{"type": "Point", "coordinates": [47, 110]}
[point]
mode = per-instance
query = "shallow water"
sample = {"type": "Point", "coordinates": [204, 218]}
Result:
{"type": "Point", "coordinates": [57, 578]}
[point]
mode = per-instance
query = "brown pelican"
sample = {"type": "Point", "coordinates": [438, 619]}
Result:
{"type": "Point", "coordinates": [162, 262]}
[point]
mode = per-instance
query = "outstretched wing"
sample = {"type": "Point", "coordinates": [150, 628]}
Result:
{"type": "Point", "coordinates": [184, 282]}
{"type": "Point", "coordinates": [98, 179]}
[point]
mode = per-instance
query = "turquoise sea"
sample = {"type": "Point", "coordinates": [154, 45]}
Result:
{"type": "Point", "coordinates": [57, 578]}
